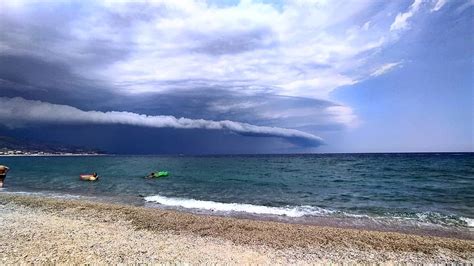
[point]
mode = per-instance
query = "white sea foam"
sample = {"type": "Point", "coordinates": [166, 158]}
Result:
{"type": "Point", "coordinates": [298, 211]}
{"type": "Point", "coordinates": [469, 221]}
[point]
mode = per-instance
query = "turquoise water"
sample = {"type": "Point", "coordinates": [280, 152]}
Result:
{"type": "Point", "coordinates": [433, 189]}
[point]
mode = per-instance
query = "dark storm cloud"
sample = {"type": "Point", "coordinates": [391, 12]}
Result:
{"type": "Point", "coordinates": [118, 139]}
{"type": "Point", "coordinates": [60, 32]}
{"type": "Point", "coordinates": [161, 59]}
{"type": "Point", "coordinates": [35, 72]}
{"type": "Point", "coordinates": [18, 112]}
{"type": "Point", "coordinates": [221, 103]}
{"type": "Point", "coordinates": [34, 78]}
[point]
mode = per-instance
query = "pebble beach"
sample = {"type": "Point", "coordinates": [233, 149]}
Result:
{"type": "Point", "coordinates": [45, 230]}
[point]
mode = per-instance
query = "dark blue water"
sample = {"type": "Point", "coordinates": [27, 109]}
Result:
{"type": "Point", "coordinates": [429, 188]}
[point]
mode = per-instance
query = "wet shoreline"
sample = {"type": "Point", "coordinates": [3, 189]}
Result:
{"type": "Point", "coordinates": [378, 224]}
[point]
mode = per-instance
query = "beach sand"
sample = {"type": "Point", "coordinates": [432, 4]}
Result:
{"type": "Point", "coordinates": [45, 230]}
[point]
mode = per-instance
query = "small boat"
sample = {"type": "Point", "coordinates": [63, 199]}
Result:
{"type": "Point", "coordinates": [88, 177]}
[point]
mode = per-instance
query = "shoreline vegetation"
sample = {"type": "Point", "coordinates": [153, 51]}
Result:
{"type": "Point", "coordinates": [48, 230]}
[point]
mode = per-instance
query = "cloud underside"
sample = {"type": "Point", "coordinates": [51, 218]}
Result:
{"type": "Point", "coordinates": [19, 112]}
{"type": "Point", "coordinates": [301, 48]}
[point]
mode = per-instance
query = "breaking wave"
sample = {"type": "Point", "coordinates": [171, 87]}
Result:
{"type": "Point", "coordinates": [302, 211]}
{"type": "Point", "coordinates": [468, 221]}
{"type": "Point", "coordinates": [298, 211]}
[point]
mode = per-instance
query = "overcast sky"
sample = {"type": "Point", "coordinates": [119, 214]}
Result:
{"type": "Point", "coordinates": [239, 76]}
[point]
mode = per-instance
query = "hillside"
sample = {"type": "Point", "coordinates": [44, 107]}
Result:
{"type": "Point", "coordinates": [10, 143]}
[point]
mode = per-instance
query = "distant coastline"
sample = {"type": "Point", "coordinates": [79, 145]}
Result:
{"type": "Point", "coordinates": [13, 147]}
{"type": "Point", "coordinates": [51, 154]}
{"type": "Point", "coordinates": [5, 152]}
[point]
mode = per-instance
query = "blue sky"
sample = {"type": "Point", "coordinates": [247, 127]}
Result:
{"type": "Point", "coordinates": [239, 76]}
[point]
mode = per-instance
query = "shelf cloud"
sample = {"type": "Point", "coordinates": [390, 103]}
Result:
{"type": "Point", "coordinates": [19, 112]}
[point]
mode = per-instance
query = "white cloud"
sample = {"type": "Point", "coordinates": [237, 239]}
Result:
{"type": "Point", "coordinates": [385, 68]}
{"type": "Point", "coordinates": [401, 20]}
{"type": "Point", "coordinates": [343, 115]}
{"type": "Point", "coordinates": [20, 112]}
{"type": "Point", "coordinates": [292, 112]}
{"type": "Point", "coordinates": [318, 87]}
{"type": "Point", "coordinates": [301, 48]}
{"type": "Point", "coordinates": [439, 4]}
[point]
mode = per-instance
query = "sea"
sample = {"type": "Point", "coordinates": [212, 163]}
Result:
{"type": "Point", "coordinates": [423, 193]}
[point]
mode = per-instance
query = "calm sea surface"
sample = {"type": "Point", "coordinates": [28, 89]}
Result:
{"type": "Point", "coordinates": [431, 190]}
